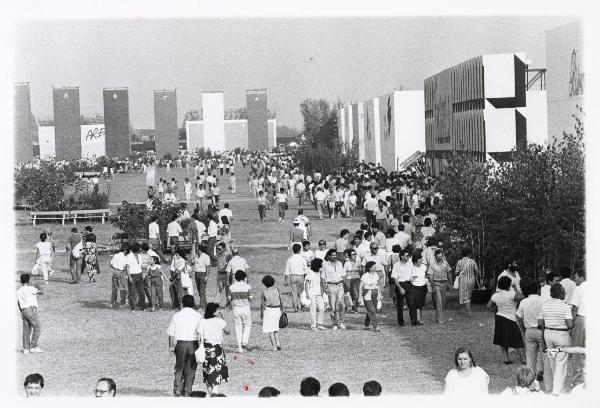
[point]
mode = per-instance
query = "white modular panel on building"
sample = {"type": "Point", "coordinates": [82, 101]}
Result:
{"type": "Point", "coordinates": [194, 131]}
{"type": "Point", "coordinates": [349, 125]}
{"type": "Point", "coordinates": [93, 141]}
{"type": "Point", "coordinates": [361, 132]}
{"type": "Point", "coordinates": [376, 124]}
{"type": "Point", "coordinates": [500, 129]}
{"type": "Point", "coordinates": [409, 124]}
{"type": "Point", "coordinates": [272, 131]}
{"type": "Point", "coordinates": [342, 126]}
{"type": "Point", "coordinates": [213, 116]}
{"type": "Point", "coordinates": [47, 141]}
{"type": "Point", "coordinates": [499, 79]}
{"type": "Point", "coordinates": [536, 113]}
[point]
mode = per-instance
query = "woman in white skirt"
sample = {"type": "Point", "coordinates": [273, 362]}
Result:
{"type": "Point", "coordinates": [270, 310]}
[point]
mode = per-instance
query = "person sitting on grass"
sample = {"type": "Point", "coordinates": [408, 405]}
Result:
{"type": "Point", "coordinates": [526, 383]}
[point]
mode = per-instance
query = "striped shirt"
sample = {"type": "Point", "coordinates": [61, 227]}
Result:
{"type": "Point", "coordinates": [555, 312]}
{"type": "Point", "coordinates": [240, 294]}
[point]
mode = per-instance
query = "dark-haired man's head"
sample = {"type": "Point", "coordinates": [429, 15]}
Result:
{"type": "Point", "coordinates": [268, 392]}
{"type": "Point", "coordinates": [529, 286]}
{"type": "Point", "coordinates": [33, 385]}
{"type": "Point", "coordinates": [338, 390]}
{"type": "Point", "coordinates": [187, 301]}
{"type": "Point", "coordinates": [372, 389]}
{"type": "Point", "coordinates": [240, 275]}
{"type": "Point", "coordinates": [296, 248]}
{"type": "Point", "coordinates": [105, 387]}
{"type": "Point", "coordinates": [310, 387]}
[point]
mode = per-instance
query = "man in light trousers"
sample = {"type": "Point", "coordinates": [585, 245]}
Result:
{"type": "Point", "coordinates": [332, 277]}
{"type": "Point", "coordinates": [240, 297]}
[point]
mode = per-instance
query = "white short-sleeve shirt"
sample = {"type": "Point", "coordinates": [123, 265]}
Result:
{"type": "Point", "coordinates": [26, 296]}
{"type": "Point", "coordinates": [211, 330]}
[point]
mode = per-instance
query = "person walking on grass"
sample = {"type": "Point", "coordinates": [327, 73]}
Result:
{"type": "Point", "coordinates": [282, 203]}
{"type": "Point", "coordinates": [74, 262]}
{"type": "Point", "coordinates": [44, 255]}
{"type": "Point", "coordinates": [369, 286]}
{"type": "Point", "coordinates": [210, 332]}
{"type": "Point", "coordinates": [240, 297]}
{"type": "Point", "coordinates": [506, 331]}
{"type": "Point", "coordinates": [527, 318]}
{"type": "Point", "coordinates": [333, 276]}
{"type": "Point", "coordinates": [271, 308]}
{"type": "Point", "coordinates": [183, 342]}
{"type": "Point", "coordinates": [294, 274]}
{"type": "Point", "coordinates": [135, 277]}
{"type": "Point", "coordinates": [28, 304]}
{"type": "Point", "coordinates": [314, 291]}
{"type": "Point", "coordinates": [468, 273]}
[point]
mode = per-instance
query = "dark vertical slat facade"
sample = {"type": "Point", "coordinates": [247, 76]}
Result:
{"type": "Point", "coordinates": [454, 103]}
{"type": "Point", "coordinates": [116, 122]}
{"type": "Point", "coordinates": [256, 108]}
{"type": "Point", "coordinates": [166, 132]}
{"type": "Point", "coordinates": [67, 123]}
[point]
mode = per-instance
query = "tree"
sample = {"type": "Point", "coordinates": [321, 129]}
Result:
{"type": "Point", "coordinates": [320, 122]}
{"type": "Point", "coordinates": [42, 185]}
{"type": "Point", "coordinates": [531, 208]}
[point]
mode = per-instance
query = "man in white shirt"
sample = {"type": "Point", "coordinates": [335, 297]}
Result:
{"type": "Point", "coordinates": [119, 279]}
{"type": "Point", "coordinates": [183, 342]}
{"type": "Point", "coordinates": [319, 201]}
{"type": "Point", "coordinates": [567, 283]}
{"type": "Point", "coordinates": [527, 319]}
{"type": "Point", "coordinates": [304, 222]}
{"type": "Point", "coordinates": [28, 304]}
{"type": "Point", "coordinates": [154, 237]}
{"type": "Point", "coordinates": [578, 301]}
{"type": "Point", "coordinates": [225, 211]}
{"type": "Point", "coordinates": [380, 260]}
{"type": "Point", "coordinates": [135, 277]}
{"type": "Point", "coordinates": [201, 267]}
{"type": "Point", "coordinates": [370, 206]}
{"type": "Point", "coordinates": [173, 232]}
{"type": "Point", "coordinates": [295, 271]}
{"type": "Point", "coordinates": [401, 274]}
{"type": "Point", "coordinates": [402, 237]}
{"type": "Point", "coordinates": [236, 263]}
{"type": "Point", "coordinates": [307, 253]}
{"type": "Point", "coordinates": [211, 231]}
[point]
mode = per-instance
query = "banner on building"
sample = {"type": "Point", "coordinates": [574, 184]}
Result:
{"type": "Point", "coordinates": [67, 122]}
{"type": "Point", "coordinates": [165, 123]}
{"type": "Point", "coordinates": [116, 122]}
{"type": "Point", "coordinates": [93, 140]}
{"type": "Point", "coordinates": [256, 108]}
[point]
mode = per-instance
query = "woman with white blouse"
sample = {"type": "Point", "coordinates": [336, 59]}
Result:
{"type": "Point", "coordinates": [418, 288]}
{"type": "Point", "coordinates": [210, 332]}
{"type": "Point", "coordinates": [466, 380]}
{"type": "Point", "coordinates": [44, 254]}
{"type": "Point", "coordinates": [368, 289]}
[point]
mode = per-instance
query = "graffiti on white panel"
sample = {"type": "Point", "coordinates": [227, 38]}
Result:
{"type": "Point", "coordinates": [95, 133]}
{"type": "Point", "coordinates": [576, 77]}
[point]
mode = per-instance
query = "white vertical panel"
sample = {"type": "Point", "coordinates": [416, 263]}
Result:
{"type": "Point", "coordinates": [350, 125]}
{"type": "Point", "coordinates": [376, 133]}
{"type": "Point", "coordinates": [93, 141]}
{"type": "Point", "coordinates": [213, 115]}
{"type": "Point", "coordinates": [194, 132]}
{"type": "Point", "coordinates": [47, 141]}
{"type": "Point", "coordinates": [361, 131]}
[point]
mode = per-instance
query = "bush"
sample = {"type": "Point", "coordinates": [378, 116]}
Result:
{"type": "Point", "coordinates": [42, 185]}
{"type": "Point", "coordinates": [86, 202]}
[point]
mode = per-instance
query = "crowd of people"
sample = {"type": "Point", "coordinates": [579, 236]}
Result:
{"type": "Point", "coordinates": [395, 258]}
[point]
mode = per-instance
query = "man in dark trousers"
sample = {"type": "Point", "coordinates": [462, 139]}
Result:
{"type": "Point", "coordinates": [183, 342]}
{"type": "Point", "coordinates": [74, 263]}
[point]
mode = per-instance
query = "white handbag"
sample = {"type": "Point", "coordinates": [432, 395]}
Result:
{"type": "Point", "coordinates": [76, 252]}
{"type": "Point", "coordinates": [36, 268]}
{"type": "Point", "coordinates": [200, 353]}
{"type": "Point", "coordinates": [304, 300]}
{"type": "Point", "coordinates": [456, 282]}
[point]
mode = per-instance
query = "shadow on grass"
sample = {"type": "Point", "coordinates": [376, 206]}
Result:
{"type": "Point", "coordinates": [143, 392]}
{"type": "Point", "coordinates": [96, 304]}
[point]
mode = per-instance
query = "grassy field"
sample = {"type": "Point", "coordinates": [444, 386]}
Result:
{"type": "Point", "coordinates": [84, 339]}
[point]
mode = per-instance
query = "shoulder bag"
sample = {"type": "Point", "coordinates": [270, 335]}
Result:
{"type": "Point", "coordinates": [283, 319]}
{"type": "Point", "coordinates": [200, 353]}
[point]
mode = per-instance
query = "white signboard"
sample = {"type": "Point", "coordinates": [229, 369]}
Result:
{"type": "Point", "coordinates": [93, 140]}
{"type": "Point", "coordinates": [47, 141]}
{"type": "Point", "coordinates": [214, 120]}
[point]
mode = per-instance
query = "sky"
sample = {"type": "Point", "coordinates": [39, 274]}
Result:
{"type": "Point", "coordinates": [351, 59]}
